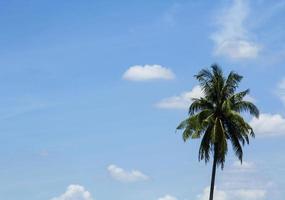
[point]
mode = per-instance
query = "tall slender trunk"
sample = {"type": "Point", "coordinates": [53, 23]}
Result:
{"type": "Point", "coordinates": [213, 177]}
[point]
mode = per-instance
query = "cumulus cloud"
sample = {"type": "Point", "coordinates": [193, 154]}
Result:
{"type": "Point", "coordinates": [268, 125]}
{"type": "Point", "coordinates": [126, 176]}
{"type": "Point", "coordinates": [181, 101]}
{"type": "Point", "coordinates": [148, 72]}
{"type": "Point", "coordinates": [232, 39]}
{"type": "Point", "coordinates": [74, 192]}
{"type": "Point", "coordinates": [244, 194]}
{"type": "Point", "coordinates": [167, 197]}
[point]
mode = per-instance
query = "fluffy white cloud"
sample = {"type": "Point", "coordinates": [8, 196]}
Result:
{"type": "Point", "coordinates": [167, 197]}
{"type": "Point", "coordinates": [232, 38]}
{"type": "Point", "coordinates": [125, 176]}
{"type": "Point", "coordinates": [268, 125]}
{"type": "Point", "coordinates": [244, 194]}
{"type": "Point", "coordinates": [182, 101]}
{"type": "Point", "coordinates": [75, 192]}
{"type": "Point", "coordinates": [148, 72]}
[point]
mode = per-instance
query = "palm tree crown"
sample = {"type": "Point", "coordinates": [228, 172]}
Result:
{"type": "Point", "coordinates": [216, 117]}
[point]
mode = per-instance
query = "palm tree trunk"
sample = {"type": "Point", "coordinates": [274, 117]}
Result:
{"type": "Point", "coordinates": [213, 177]}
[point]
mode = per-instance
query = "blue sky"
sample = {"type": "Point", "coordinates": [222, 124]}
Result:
{"type": "Point", "coordinates": [92, 91]}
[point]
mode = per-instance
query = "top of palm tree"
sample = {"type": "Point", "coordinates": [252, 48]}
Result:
{"type": "Point", "coordinates": [216, 117]}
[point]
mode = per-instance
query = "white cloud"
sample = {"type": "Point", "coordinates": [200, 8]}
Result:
{"type": "Point", "coordinates": [182, 101]}
{"type": "Point", "coordinates": [232, 38]}
{"type": "Point", "coordinates": [125, 176]}
{"type": "Point", "coordinates": [167, 197]}
{"type": "Point", "coordinates": [148, 72]}
{"type": "Point", "coordinates": [75, 192]}
{"type": "Point", "coordinates": [268, 125]}
{"type": "Point", "coordinates": [244, 194]}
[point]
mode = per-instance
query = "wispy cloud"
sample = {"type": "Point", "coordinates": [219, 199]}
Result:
{"type": "Point", "coordinates": [246, 176]}
{"type": "Point", "coordinates": [236, 185]}
{"type": "Point", "coordinates": [19, 110]}
{"type": "Point", "coordinates": [75, 192]}
{"type": "Point", "coordinates": [126, 176]}
{"type": "Point", "coordinates": [148, 72]}
{"type": "Point", "coordinates": [181, 101]}
{"type": "Point", "coordinates": [233, 39]}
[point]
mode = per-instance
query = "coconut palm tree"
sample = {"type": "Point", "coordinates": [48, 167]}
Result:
{"type": "Point", "coordinates": [216, 118]}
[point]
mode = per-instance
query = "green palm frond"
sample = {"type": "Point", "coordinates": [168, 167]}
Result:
{"type": "Point", "coordinates": [205, 146]}
{"type": "Point", "coordinates": [246, 106]}
{"type": "Point", "coordinates": [199, 105]}
{"type": "Point", "coordinates": [236, 147]}
{"type": "Point", "coordinates": [239, 96]}
{"type": "Point", "coordinates": [231, 84]}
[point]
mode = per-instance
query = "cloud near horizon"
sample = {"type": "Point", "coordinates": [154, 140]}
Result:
{"type": "Point", "coordinates": [232, 39]}
{"type": "Point", "coordinates": [126, 176]}
{"type": "Point", "coordinates": [148, 72]}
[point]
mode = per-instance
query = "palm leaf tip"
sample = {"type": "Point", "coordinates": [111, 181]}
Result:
{"type": "Point", "coordinates": [182, 125]}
